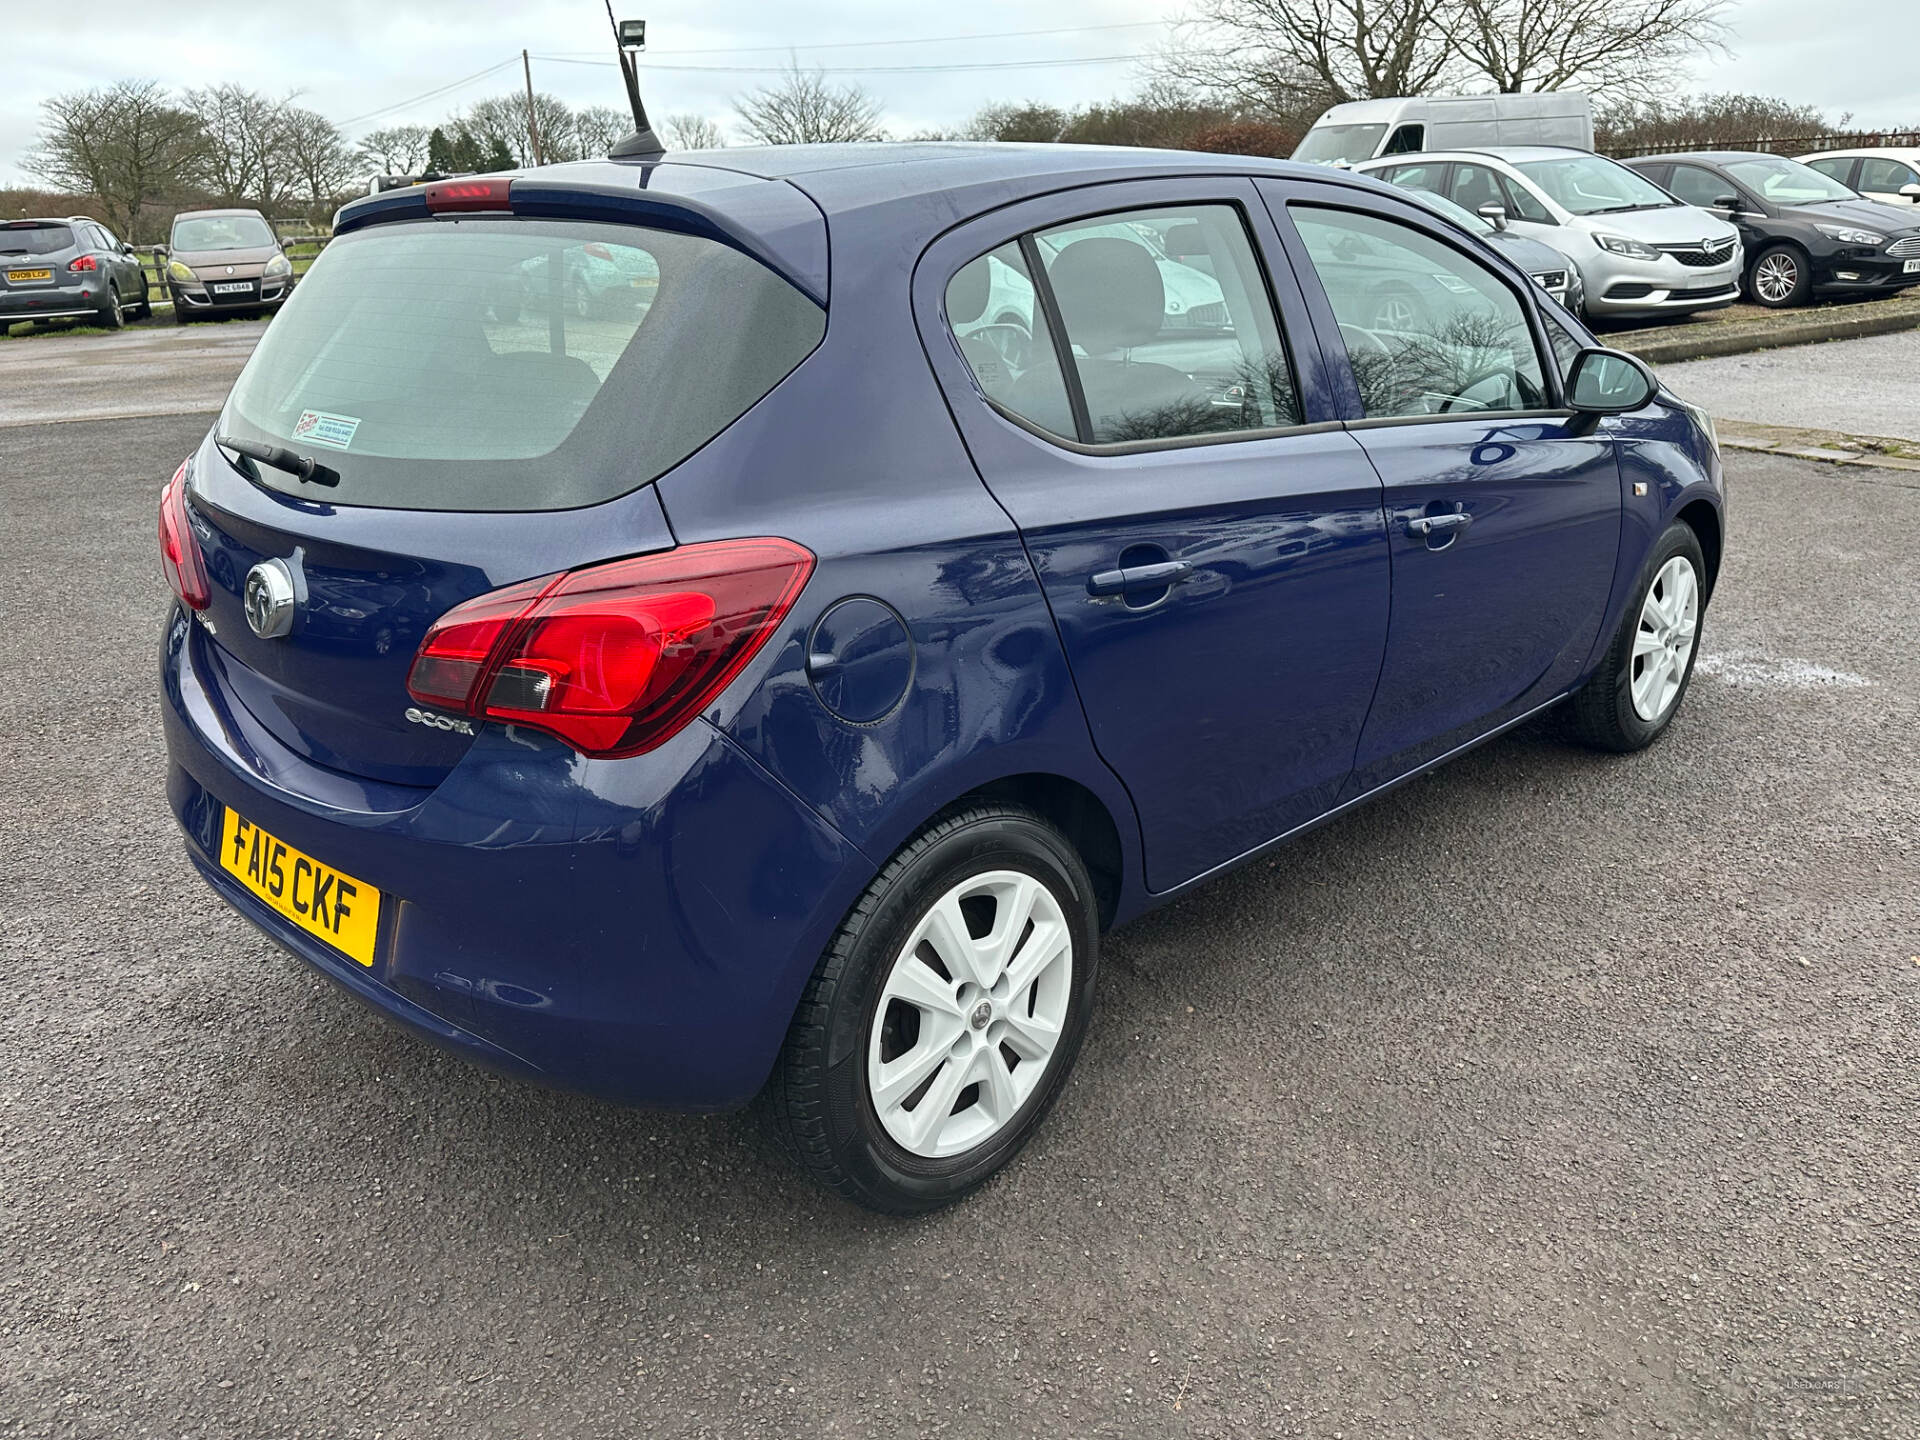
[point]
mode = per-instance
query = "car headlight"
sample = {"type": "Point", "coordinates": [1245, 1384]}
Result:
{"type": "Point", "coordinates": [1621, 245]}
{"type": "Point", "coordinates": [1849, 235]}
{"type": "Point", "coordinates": [278, 265]}
{"type": "Point", "coordinates": [178, 271]}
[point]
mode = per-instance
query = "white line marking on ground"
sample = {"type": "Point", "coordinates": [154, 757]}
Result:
{"type": "Point", "coordinates": [1756, 671]}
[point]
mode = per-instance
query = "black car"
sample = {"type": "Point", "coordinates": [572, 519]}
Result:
{"type": "Point", "coordinates": [74, 268]}
{"type": "Point", "coordinates": [1804, 233]}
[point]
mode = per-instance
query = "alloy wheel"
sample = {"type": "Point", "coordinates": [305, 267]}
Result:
{"type": "Point", "coordinates": [971, 1014]}
{"type": "Point", "coordinates": [1396, 312]}
{"type": "Point", "coordinates": [1663, 642]}
{"type": "Point", "coordinates": [1775, 277]}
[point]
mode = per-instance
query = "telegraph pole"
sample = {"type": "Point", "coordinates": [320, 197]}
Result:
{"type": "Point", "coordinates": [533, 126]}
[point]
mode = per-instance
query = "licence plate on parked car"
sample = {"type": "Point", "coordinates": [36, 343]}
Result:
{"type": "Point", "coordinates": [229, 287]}
{"type": "Point", "coordinates": [342, 911]}
{"type": "Point", "coordinates": [1912, 267]}
{"type": "Point", "coordinates": [17, 277]}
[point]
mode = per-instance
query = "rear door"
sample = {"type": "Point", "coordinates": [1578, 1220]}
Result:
{"type": "Point", "coordinates": [1209, 540]}
{"type": "Point", "coordinates": [1502, 508]}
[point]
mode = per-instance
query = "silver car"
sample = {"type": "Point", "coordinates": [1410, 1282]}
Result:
{"type": "Point", "coordinates": [1639, 251]}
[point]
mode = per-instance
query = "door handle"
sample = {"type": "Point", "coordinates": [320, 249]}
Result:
{"type": "Point", "coordinates": [1136, 578]}
{"type": "Point", "coordinates": [1430, 525]}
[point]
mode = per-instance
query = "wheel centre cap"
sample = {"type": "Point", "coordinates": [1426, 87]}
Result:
{"type": "Point", "coordinates": [982, 1013]}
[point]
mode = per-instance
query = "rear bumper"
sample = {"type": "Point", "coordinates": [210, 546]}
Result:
{"type": "Point", "coordinates": [635, 929]}
{"type": "Point", "coordinates": [53, 301]}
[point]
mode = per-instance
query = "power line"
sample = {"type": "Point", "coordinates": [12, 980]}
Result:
{"type": "Point", "coordinates": [430, 94]}
{"type": "Point", "coordinates": [946, 68]}
{"type": "Point", "coordinates": [918, 40]}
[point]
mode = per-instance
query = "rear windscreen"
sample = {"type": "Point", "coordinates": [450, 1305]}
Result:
{"type": "Point", "coordinates": [34, 239]}
{"type": "Point", "coordinates": [498, 364]}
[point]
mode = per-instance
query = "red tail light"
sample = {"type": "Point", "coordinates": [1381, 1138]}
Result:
{"type": "Point", "coordinates": [614, 659]}
{"type": "Point", "coordinates": [444, 195]}
{"type": "Point", "coordinates": [85, 262]}
{"type": "Point", "coordinates": [180, 559]}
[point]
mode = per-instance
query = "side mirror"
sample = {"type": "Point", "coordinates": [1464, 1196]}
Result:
{"type": "Point", "coordinates": [1728, 203]}
{"type": "Point", "coordinates": [1609, 382]}
{"type": "Point", "coordinates": [126, 247]}
{"type": "Point", "coordinates": [1494, 214]}
{"type": "Point", "coordinates": [1912, 192]}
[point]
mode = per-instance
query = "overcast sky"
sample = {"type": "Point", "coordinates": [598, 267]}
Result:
{"type": "Point", "coordinates": [364, 63]}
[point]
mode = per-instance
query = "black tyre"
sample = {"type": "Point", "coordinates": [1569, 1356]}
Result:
{"type": "Point", "coordinates": [913, 1071]}
{"type": "Point", "coordinates": [1779, 277]}
{"type": "Point", "coordinates": [113, 315]}
{"type": "Point", "coordinates": [146, 302]}
{"type": "Point", "coordinates": [1634, 695]}
{"type": "Point", "coordinates": [181, 315]}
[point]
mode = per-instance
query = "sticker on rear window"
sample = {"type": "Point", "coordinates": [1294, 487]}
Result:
{"type": "Point", "coordinates": [333, 431]}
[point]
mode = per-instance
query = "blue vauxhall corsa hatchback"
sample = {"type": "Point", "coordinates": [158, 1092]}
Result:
{"type": "Point", "coordinates": [745, 624]}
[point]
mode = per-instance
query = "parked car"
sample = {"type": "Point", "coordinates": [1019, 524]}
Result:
{"type": "Point", "coordinates": [1549, 269]}
{"type": "Point", "coordinates": [1358, 130]}
{"type": "Point", "coordinates": [752, 703]}
{"type": "Point", "coordinates": [1638, 250]}
{"type": "Point", "coordinates": [222, 261]}
{"type": "Point", "coordinates": [1803, 232]}
{"type": "Point", "coordinates": [1891, 175]}
{"type": "Point", "coordinates": [74, 268]}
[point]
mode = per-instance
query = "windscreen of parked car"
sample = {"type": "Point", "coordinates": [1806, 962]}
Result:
{"type": "Point", "coordinates": [33, 238]}
{"type": "Point", "coordinates": [1327, 144]}
{"type": "Point", "coordinates": [1787, 182]}
{"type": "Point", "coordinates": [1591, 185]}
{"type": "Point", "coordinates": [496, 364]}
{"type": "Point", "coordinates": [222, 232]}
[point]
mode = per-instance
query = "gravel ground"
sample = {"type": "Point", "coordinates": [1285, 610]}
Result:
{"type": "Point", "coordinates": [147, 370]}
{"type": "Point", "coordinates": [1857, 387]}
{"type": "Point", "coordinates": [1554, 1095]}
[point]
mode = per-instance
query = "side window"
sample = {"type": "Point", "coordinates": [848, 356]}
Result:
{"type": "Point", "coordinates": [1521, 202]}
{"type": "Point", "coordinates": [1565, 346]}
{"type": "Point", "coordinates": [1407, 140]}
{"type": "Point", "coordinates": [1169, 325]}
{"type": "Point", "coordinates": [1839, 169]}
{"type": "Point", "coordinates": [1426, 176]}
{"type": "Point", "coordinates": [1885, 177]}
{"type": "Point", "coordinates": [1474, 186]}
{"type": "Point", "coordinates": [1428, 330]}
{"type": "Point", "coordinates": [1004, 338]}
{"type": "Point", "coordinates": [1699, 187]}
{"type": "Point", "coordinates": [106, 237]}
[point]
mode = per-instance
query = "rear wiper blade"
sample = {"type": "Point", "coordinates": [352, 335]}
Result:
{"type": "Point", "coordinates": [311, 472]}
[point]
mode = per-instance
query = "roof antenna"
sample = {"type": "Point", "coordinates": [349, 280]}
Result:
{"type": "Point", "coordinates": [630, 36]}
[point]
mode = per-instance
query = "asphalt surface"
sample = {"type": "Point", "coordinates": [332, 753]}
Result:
{"type": "Point", "coordinates": [142, 370]}
{"type": "Point", "coordinates": [1553, 1095]}
{"type": "Point", "coordinates": [1857, 387]}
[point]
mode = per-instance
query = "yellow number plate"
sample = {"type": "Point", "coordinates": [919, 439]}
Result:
{"type": "Point", "coordinates": [16, 276]}
{"type": "Point", "coordinates": [342, 911]}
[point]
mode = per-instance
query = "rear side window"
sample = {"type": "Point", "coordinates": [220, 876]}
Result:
{"type": "Point", "coordinates": [1167, 328]}
{"type": "Point", "coordinates": [1428, 331]}
{"type": "Point", "coordinates": [1838, 169]}
{"type": "Point", "coordinates": [495, 364]}
{"type": "Point", "coordinates": [35, 239]}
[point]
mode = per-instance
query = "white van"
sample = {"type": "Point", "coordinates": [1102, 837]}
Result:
{"type": "Point", "coordinates": [1364, 129]}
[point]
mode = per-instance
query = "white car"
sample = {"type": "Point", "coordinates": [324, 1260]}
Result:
{"type": "Point", "coordinates": [1891, 175]}
{"type": "Point", "coordinates": [1639, 251]}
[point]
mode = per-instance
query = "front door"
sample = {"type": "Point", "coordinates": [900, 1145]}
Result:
{"type": "Point", "coordinates": [1502, 508]}
{"type": "Point", "coordinates": [1208, 537]}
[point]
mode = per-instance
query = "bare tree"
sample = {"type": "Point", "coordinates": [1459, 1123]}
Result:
{"type": "Point", "coordinates": [504, 118]}
{"type": "Point", "coordinates": [1711, 122]}
{"type": "Point", "coordinates": [802, 108]}
{"type": "Point", "coordinates": [1611, 47]}
{"type": "Point", "coordinates": [1266, 56]}
{"type": "Point", "coordinates": [244, 156]}
{"type": "Point", "coordinates": [128, 144]}
{"type": "Point", "coordinates": [691, 132]}
{"type": "Point", "coordinates": [596, 128]}
{"type": "Point", "coordinates": [397, 150]}
{"type": "Point", "coordinates": [1030, 120]}
{"type": "Point", "coordinates": [321, 164]}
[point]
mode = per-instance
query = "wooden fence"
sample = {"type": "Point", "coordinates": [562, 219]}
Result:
{"type": "Point", "coordinates": [1781, 144]}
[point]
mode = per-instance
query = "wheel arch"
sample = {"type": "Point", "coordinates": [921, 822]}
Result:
{"type": "Point", "coordinates": [1073, 809]}
{"type": "Point", "coordinates": [1703, 519]}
